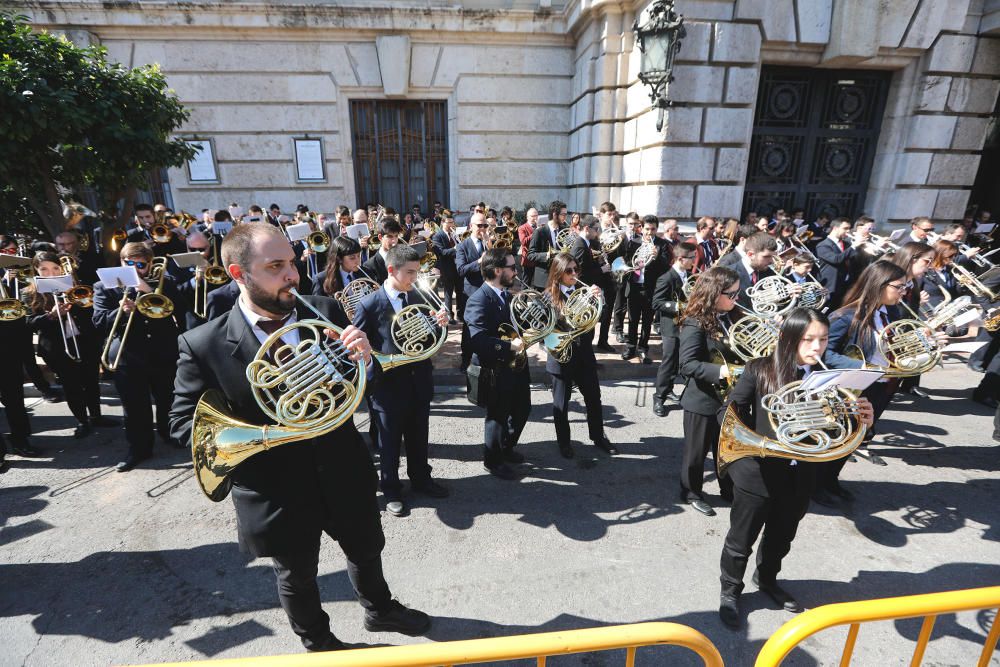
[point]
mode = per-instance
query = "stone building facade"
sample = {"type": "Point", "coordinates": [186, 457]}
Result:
{"type": "Point", "coordinates": [539, 99]}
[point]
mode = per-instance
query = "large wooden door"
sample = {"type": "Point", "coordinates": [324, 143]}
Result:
{"type": "Point", "coordinates": [400, 152]}
{"type": "Point", "coordinates": [814, 139]}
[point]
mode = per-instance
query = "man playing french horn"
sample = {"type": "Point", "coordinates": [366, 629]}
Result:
{"type": "Point", "coordinates": [287, 496]}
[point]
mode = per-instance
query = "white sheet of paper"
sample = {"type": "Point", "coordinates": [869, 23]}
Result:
{"type": "Point", "coordinates": [298, 231]}
{"type": "Point", "coordinates": [855, 379]}
{"type": "Point", "coordinates": [358, 230]}
{"type": "Point", "coordinates": [308, 160]}
{"type": "Point", "coordinates": [543, 219]}
{"type": "Point", "coordinates": [186, 260]}
{"type": "Point", "coordinates": [965, 346]}
{"type": "Point", "coordinates": [54, 284]}
{"type": "Point", "coordinates": [967, 317]}
{"type": "Point", "coordinates": [985, 227]}
{"type": "Point", "coordinates": [460, 230]}
{"type": "Point", "coordinates": [126, 275]}
{"type": "Point", "coordinates": [236, 211]}
{"type": "Point", "coordinates": [222, 228]}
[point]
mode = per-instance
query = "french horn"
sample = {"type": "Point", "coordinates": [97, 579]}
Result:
{"type": "Point", "coordinates": [354, 292]}
{"type": "Point", "coordinates": [579, 315]}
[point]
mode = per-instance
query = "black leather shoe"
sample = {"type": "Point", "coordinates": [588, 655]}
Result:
{"type": "Point", "coordinates": [25, 450]}
{"type": "Point", "coordinates": [397, 618]}
{"type": "Point", "coordinates": [53, 396]}
{"type": "Point", "coordinates": [988, 401]}
{"type": "Point", "coordinates": [104, 421]}
{"type": "Point", "coordinates": [644, 357]}
{"type": "Point", "coordinates": [82, 431]}
{"type": "Point", "coordinates": [976, 368]}
{"type": "Point", "coordinates": [4, 466]}
{"type": "Point", "coordinates": [511, 456]}
{"type": "Point", "coordinates": [503, 471]}
{"type": "Point", "coordinates": [432, 489]}
{"type": "Point", "coordinates": [129, 463]}
{"type": "Point", "coordinates": [671, 396]}
{"type": "Point", "coordinates": [729, 611]}
{"type": "Point", "coordinates": [778, 594]}
{"type": "Point", "coordinates": [917, 391]}
{"type": "Point", "coordinates": [701, 506]}
{"type": "Point", "coordinates": [331, 643]}
{"type": "Point", "coordinates": [604, 347]}
{"type": "Point", "coordinates": [605, 444]}
{"type": "Point", "coordinates": [659, 409]}
{"type": "Point", "coordinates": [628, 354]}
{"type": "Point", "coordinates": [871, 457]}
{"type": "Point", "coordinates": [566, 450]}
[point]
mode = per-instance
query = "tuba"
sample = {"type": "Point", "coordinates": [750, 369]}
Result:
{"type": "Point", "coordinates": [579, 315]}
{"type": "Point", "coordinates": [813, 427]}
{"type": "Point", "coordinates": [307, 391]}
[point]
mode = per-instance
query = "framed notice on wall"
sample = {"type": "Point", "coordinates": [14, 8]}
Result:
{"type": "Point", "coordinates": [202, 167]}
{"type": "Point", "coordinates": [309, 167]}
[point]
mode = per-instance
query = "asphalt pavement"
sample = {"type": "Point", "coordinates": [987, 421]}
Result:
{"type": "Point", "coordinates": [98, 567]}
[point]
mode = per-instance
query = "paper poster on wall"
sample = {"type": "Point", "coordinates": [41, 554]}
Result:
{"type": "Point", "coordinates": [309, 160]}
{"type": "Point", "coordinates": [201, 168]}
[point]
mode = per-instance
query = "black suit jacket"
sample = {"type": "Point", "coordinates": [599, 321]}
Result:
{"type": "Point", "coordinates": [769, 477]}
{"type": "Point", "coordinates": [286, 495]}
{"type": "Point", "coordinates": [376, 268]}
{"type": "Point", "coordinates": [151, 343]}
{"type": "Point", "coordinates": [589, 270]}
{"type": "Point", "coordinates": [538, 254]}
{"type": "Point", "coordinates": [446, 250]}
{"type": "Point", "coordinates": [484, 313]}
{"type": "Point", "coordinates": [467, 265]}
{"type": "Point", "coordinates": [222, 300]}
{"type": "Point", "coordinates": [50, 337]}
{"type": "Point", "coordinates": [398, 387]}
{"type": "Point", "coordinates": [701, 388]}
{"type": "Point", "coordinates": [667, 301]}
{"type": "Point", "coordinates": [834, 266]}
{"type": "Point", "coordinates": [654, 269]}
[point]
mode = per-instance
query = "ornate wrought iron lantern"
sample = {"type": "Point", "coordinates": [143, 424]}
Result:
{"type": "Point", "coordinates": [658, 32]}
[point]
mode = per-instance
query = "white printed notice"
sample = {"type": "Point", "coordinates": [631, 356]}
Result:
{"type": "Point", "coordinates": [309, 160]}
{"type": "Point", "coordinates": [201, 168]}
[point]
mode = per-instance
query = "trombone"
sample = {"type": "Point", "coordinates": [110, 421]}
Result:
{"type": "Point", "coordinates": [78, 295]}
{"type": "Point", "coordinates": [152, 305]}
{"type": "Point", "coordinates": [214, 274]}
{"type": "Point", "coordinates": [10, 309]}
{"type": "Point", "coordinates": [317, 242]}
{"type": "Point", "coordinates": [64, 322]}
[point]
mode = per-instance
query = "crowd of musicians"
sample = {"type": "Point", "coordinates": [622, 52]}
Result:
{"type": "Point", "coordinates": [231, 291]}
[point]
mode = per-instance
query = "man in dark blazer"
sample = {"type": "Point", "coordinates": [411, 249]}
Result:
{"type": "Point", "coordinates": [591, 272]}
{"type": "Point", "coordinates": [639, 288]}
{"type": "Point", "coordinates": [445, 247]}
{"type": "Point", "coordinates": [468, 258]}
{"type": "Point", "coordinates": [756, 259]}
{"type": "Point", "coordinates": [145, 220]}
{"type": "Point", "coordinates": [399, 412]}
{"type": "Point", "coordinates": [835, 255]}
{"type": "Point", "coordinates": [543, 240]}
{"type": "Point", "coordinates": [388, 235]}
{"type": "Point", "coordinates": [286, 497]}
{"type": "Point", "coordinates": [668, 303]}
{"type": "Point", "coordinates": [222, 300]}
{"type": "Point", "coordinates": [509, 402]}
{"type": "Point", "coordinates": [187, 281]}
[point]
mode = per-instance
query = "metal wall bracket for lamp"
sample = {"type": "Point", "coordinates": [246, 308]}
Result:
{"type": "Point", "coordinates": [659, 38]}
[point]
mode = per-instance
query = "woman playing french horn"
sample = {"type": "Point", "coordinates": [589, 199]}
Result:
{"type": "Point", "coordinates": [771, 494]}
{"type": "Point", "coordinates": [580, 368]}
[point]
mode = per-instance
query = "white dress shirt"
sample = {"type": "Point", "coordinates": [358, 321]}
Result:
{"type": "Point", "coordinates": [393, 295]}
{"type": "Point", "coordinates": [252, 318]}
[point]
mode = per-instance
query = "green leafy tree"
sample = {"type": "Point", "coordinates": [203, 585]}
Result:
{"type": "Point", "coordinates": [70, 118]}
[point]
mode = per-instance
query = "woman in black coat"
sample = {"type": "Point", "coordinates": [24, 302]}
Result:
{"type": "Point", "coordinates": [702, 330]}
{"type": "Point", "coordinates": [79, 378]}
{"type": "Point", "coordinates": [770, 494]}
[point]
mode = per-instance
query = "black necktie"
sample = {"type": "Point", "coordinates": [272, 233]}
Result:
{"type": "Point", "coordinates": [350, 277]}
{"type": "Point", "coordinates": [503, 298]}
{"type": "Point", "coordinates": [402, 298]}
{"type": "Point", "coordinates": [883, 320]}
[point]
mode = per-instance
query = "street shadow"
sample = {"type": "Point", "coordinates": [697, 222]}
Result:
{"type": "Point", "coordinates": [21, 501]}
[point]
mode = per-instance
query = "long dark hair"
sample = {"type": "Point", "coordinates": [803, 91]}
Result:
{"type": "Point", "coordinates": [701, 303]}
{"type": "Point", "coordinates": [778, 369]}
{"type": "Point", "coordinates": [557, 269]}
{"type": "Point", "coordinates": [865, 296]}
{"type": "Point", "coordinates": [342, 247]}
{"type": "Point", "coordinates": [908, 254]}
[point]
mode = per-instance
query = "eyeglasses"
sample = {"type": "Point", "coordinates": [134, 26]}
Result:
{"type": "Point", "coordinates": [898, 288]}
{"type": "Point", "coordinates": [510, 266]}
{"type": "Point", "coordinates": [731, 295]}
{"type": "Point", "coordinates": [570, 269]}
{"type": "Point", "coordinates": [926, 229]}
{"type": "Point", "coordinates": [137, 264]}
{"type": "Point", "coordinates": [483, 226]}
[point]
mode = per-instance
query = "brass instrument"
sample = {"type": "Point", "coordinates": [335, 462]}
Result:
{"type": "Point", "coordinates": [813, 427]}
{"type": "Point", "coordinates": [971, 282]}
{"type": "Point", "coordinates": [213, 274]}
{"type": "Point", "coordinates": [73, 354]}
{"type": "Point", "coordinates": [317, 242]}
{"type": "Point", "coordinates": [877, 245]}
{"type": "Point", "coordinates": [771, 296]}
{"type": "Point", "coordinates": [977, 259]}
{"type": "Point", "coordinates": [564, 239]}
{"type": "Point", "coordinates": [532, 319]}
{"type": "Point", "coordinates": [499, 237]}
{"type": "Point", "coordinates": [580, 313]}
{"type": "Point", "coordinates": [751, 337]}
{"type": "Point", "coordinates": [10, 309]}
{"type": "Point", "coordinates": [152, 305]}
{"type": "Point", "coordinates": [161, 233]}
{"type": "Point", "coordinates": [78, 295]}
{"type": "Point", "coordinates": [307, 391]}
{"type": "Point", "coordinates": [354, 292]}
{"type": "Point", "coordinates": [991, 321]}
{"type": "Point", "coordinates": [727, 383]}
{"type": "Point", "coordinates": [610, 240]}
{"type": "Point", "coordinates": [643, 254]}
{"type": "Point", "coordinates": [414, 329]}
{"type": "Point", "coordinates": [118, 237]}
{"type": "Point", "coordinates": [689, 285]}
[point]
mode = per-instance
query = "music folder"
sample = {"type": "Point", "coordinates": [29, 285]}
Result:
{"type": "Point", "coordinates": [119, 276]}
{"type": "Point", "coordinates": [358, 230]}
{"type": "Point", "coordinates": [855, 379]}
{"type": "Point", "coordinates": [53, 284]}
{"type": "Point", "coordinates": [189, 260]}
{"type": "Point", "coordinates": [298, 232]}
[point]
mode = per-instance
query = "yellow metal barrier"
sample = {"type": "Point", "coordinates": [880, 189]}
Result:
{"type": "Point", "coordinates": [471, 651]}
{"type": "Point", "coordinates": [929, 606]}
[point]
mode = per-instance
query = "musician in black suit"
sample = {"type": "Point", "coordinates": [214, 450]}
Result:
{"type": "Point", "coordinates": [468, 263]}
{"type": "Point", "coordinates": [594, 272]}
{"type": "Point", "coordinates": [288, 496]}
{"type": "Point", "coordinates": [640, 285]}
{"type": "Point", "coordinates": [544, 240]}
{"type": "Point", "coordinates": [510, 396]}
{"type": "Point", "coordinates": [12, 336]}
{"type": "Point", "coordinates": [755, 261]}
{"type": "Point", "coordinates": [189, 279]}
{"type": "Point", "coordinates": [78, 369]}
{"type": "Point", "coordinates": [222, 300]}
{"type": "Point", "coordinates": [446, 250]}
{"type": "Point", "coordinates": [835, 254]}
{"type": "Point", "coordinates": [668, 304]}
{"type": "Point", "coordinates": [400, 413]}
{"type": "Point", "coordinates": [148, 359]}
{"type": "Point", "coordinates": [87, 263]}
{"type": "Point", "coordinates": [705, 318]}
{"type": "Point", "coordinates": [344, 266]}
{"type": "Point", "coordinates": [145, 220]}
{"type": "Point", "coordinates": [389, 235]}
{"type": "Point", "coordinates": [581, 367]}
{"type": "Point", "coordinates": [770, 494]}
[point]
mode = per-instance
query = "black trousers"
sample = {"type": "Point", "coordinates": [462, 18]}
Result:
{"type": "Point", "coordinates": [451, 285]}
{"type": "Point", "coordinates": [141, 387]}
{"type": "Point", "coordinates": [669, 364]}
{"type": "Point", "coordinates": [80, 382]}
{"type": "Point", "coordinates": [701, 436]}
{"type": "Point", "coordinates": [640, 311]}
{"type": "Point", "coordinates": [585, 379]}
{"type": "Point", "coordinates": [506, 414]}
{"type": "Point", "coordinates": [409, 422]}
{"type": "Point", "coordinates": [12, 396]}
{"type": "Point", "coordinates": [778, 517]}
{"type": "Point", "coordinates": [298, 590]}
{"type": "Point", "coordinates": [985, 354]}
{"type": "Point", "coordinates": [31, 369]}
{"type": "Point", "coordinates": [879, 394]}
{"type": "Point", "coordinates": [621, 304]}
{"type": "Point", "coordinates": [608, 286]}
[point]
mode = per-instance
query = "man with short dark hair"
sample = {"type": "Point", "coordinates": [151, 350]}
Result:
{"type": "Point", "coordinates": [509, 402]}
{"type": "Point", "coordinates": [704, 241]}
{"type": "Point", "coordinates": [639, 288]}
{"type": "Point", "coordinates": [668, 303]}
{"type": "Point", "coordinates": [388, 235]}
{"type": "Point", "coordinates": [145, 220]}
{"type": "Point", "coordinates": [583, 247]}
{"type": "Point", "coordinates": [835, 254]}
{"type": "Point", "coordinates": [756, 259]}
{"type": "Point", "coordinates": [287, 496]}
{"type": "Point", "coordinates": [469, 256]}
{"type": "Point", "coordinates": [544, 240]}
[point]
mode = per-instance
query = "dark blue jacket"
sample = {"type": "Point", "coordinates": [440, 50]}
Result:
{"type": "Point", "coordinates": [466, 261]}
{"type": "Point", "coordinates": [484, 313]}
